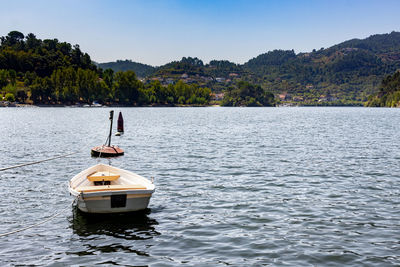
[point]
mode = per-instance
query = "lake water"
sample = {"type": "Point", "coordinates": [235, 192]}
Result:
{"type": "Point", "coordinates": [234, 186]}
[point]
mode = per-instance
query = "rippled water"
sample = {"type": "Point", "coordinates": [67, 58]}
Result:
{"type": "Point", "coordinates": [234, 186]}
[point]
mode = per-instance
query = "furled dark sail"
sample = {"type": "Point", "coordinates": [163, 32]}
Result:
{"type": "Point", "coordinates": [120, 124]}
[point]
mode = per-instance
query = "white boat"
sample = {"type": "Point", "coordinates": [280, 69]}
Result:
{"type": "Point", "coordinates": [106, 189]}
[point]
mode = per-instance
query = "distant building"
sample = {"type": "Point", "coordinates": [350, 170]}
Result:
{"type": "Point", "coordinates": [184, 76]}
{"type": "Point", "coordinates": [284, 96]}
{"type": "Point", "coordinates": [220, 79]}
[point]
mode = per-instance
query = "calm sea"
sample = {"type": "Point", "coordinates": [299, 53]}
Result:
{"type": "Point", "coordinates": [234, 186]}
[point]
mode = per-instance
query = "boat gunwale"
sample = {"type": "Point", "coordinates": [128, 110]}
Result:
{"type": "Point", "coordinates": [150, 187]}
{"type": "Point", "coordinates": [110, 192]}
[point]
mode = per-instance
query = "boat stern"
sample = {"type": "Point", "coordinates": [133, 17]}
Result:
{"type": "Point", "coordinates": [115, 202]}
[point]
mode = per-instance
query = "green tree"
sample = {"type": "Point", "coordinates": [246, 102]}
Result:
{"type": "Point", "coordinates": [10, 97]}
{"type": "Point", "coordinates": [247, 94]}
{"type": "Point", "coordinates": [126, 87]}
{"type": "Point", "coordinates": [87, 82]}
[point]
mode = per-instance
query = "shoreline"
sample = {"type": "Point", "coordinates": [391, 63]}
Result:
{"type": "Point", "coordinates": [173, 106]}
{"type": "Point", "coordinates": [18, 105]}
{"type": "Point", "coordinates": [14, 105]}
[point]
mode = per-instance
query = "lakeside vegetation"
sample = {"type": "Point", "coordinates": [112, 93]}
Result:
{"type": "Point", "coordinates": [246, 94]}
{"type": "Point", "coordinates": [51, 72]}
{"type": "Point", "coordinates": [388, 94]}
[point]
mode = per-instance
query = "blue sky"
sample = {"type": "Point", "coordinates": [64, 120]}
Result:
{"type": "Point", "coordinates": [157, 32]}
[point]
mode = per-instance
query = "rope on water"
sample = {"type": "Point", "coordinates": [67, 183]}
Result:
{"type": "Point", "coordinates": [36, 224]}
{"type": "Point", "coordinates": [36, 162]}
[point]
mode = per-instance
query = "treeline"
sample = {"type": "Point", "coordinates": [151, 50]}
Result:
{"type": "Point", "coordinates": [71, 86]}
{"type": "Point", "coordinates": [178, 93]}
{"type": "Point", "coordinates": [53, 72]}
{"type": "Point", "coordinates": [30, 54]}
{"type": "Point", "coordinates": [389, 93]}
{"type": "Point", "coordinates": [246, 94]}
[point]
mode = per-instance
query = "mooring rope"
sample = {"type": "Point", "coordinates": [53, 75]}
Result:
{"type": "Point", "coordinates": [36, 224]}
{"type": "Point", "coordinates": [36, 162]}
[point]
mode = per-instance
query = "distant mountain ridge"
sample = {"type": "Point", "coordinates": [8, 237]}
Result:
{"type": "Point", "coordinates": [141, 70]}
{"type": "Point", "coordinates": [380, 44]}
{"type": "Point", "coordinates": [351, 70]}
{"type": "Point", "coordinates": [377, 43]}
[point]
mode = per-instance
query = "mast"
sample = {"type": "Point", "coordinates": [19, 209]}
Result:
{"type": "Point", "coordinates": [111, 122]}
{"type": "Point", "coordinates": [107, 150]}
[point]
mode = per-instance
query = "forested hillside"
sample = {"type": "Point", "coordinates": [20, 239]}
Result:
{"type": "Point", "coordinates": [56, 73]}
{"type": "Point", "coordinates": [346, 73]}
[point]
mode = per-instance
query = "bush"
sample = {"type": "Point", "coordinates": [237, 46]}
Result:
{"type": "Point", "coordinates": [181, 100]}
{"type": "Point", "coordinates": [9, 88]}
{"type": "Point", "coordinates": [10, 97]}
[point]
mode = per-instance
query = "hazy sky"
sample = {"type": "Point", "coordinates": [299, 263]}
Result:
{"type": "Point", "coordinates": [157, 32]}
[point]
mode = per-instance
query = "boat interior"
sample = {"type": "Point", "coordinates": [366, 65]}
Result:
{"type": "Point", "coordinates": [105, 180]}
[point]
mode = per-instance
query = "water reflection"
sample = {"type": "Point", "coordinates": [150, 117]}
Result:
{"type": "Point", "coordinates": [129, 226]}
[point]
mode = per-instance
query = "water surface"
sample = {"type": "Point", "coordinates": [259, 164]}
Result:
{"type": "Point", "coordinates": [234, 186]}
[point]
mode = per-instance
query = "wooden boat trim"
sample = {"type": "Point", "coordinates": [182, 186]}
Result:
{"type": "Point", "coordinates": [101, 176]}
{"type": "Point", "coordinates": [108, 197]}
{"type": "Point", "coordinates": [97, 188]}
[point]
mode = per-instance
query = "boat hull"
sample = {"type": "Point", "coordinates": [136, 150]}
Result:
{"type": "Point", "coordinates": [106, 189]}
{"type": "Point", "coordinates": [113, 203]}
{"type": "Point", "coordinates": [107, 151]}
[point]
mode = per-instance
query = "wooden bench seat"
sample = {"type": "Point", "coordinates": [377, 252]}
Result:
{"type": "Point", "coordinates": [117, 187]}
{"type": "Point", "coordinates": [102, 176]}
